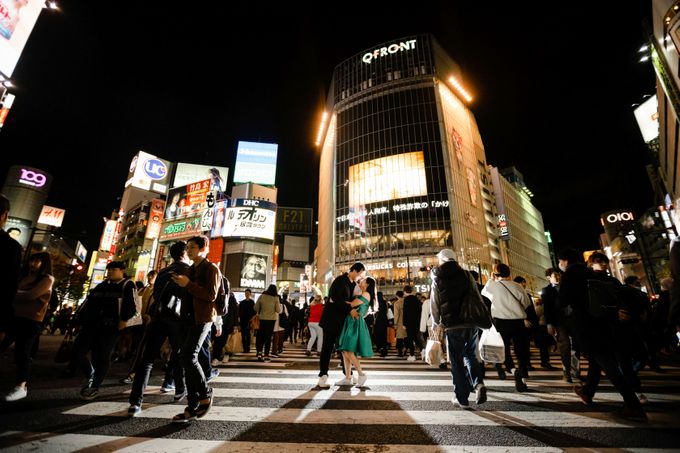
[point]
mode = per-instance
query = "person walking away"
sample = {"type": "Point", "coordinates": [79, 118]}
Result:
{"type": "Point", "coordinates": [333, 317]}
{"type": "Point", "coordinates": [315, 332]}
{"type": "Point", "coordinates": [280, 332]}
{"type": "Point", "coordinates": [509, 302]}
{"type": "Point", "coordinates": [229, 325]}
{"type": "Point", "coordinates": [593, 335]}
{"type": "Point", "coordinates": [201, 288]}
{"type": "Point", "coordinates": [108, 304]}
{"type": "Point", "coordinates": [450, 283]}
{"type": "Point", "coordinates": [10, 270]}
{"type": "Point", "coordinates": [556, 324]}
{"type": "Point", "coordinates": [267, 308]}
{"type": "Point", "coordinates": [164, 323]}
{"type": "Point", "coordinates": [246, 311]}
{"type": "Point", "coordinates": [380, 327]}
{"type": "Point", "coordinates": [412, 310]}
{"type": "Point", "coordinates": [30, 306]}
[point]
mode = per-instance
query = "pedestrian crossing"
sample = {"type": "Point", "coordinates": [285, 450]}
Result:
{"type": "Point", "coordinates": [404, 407]}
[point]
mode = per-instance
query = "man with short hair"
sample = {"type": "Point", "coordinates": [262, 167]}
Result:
{"type": "Point", "coordinates": [165, 322]}
{"type": "Point", "coordinates": [334, 314]}
{"type": "Point", "coordinates": [202, 287]}
{"type": "Point", "coordinates": [10, 269]}
{"type": "Point", "coordinates": [246, 311]}
{"type": "Point", "coordinates": [100, 317]}
{"type": "Point", "coordinates": [450, 283]}
{"type": "Point", "coordinates": [554, 320]}
{"type": "Point", "coordinates": [412, 312]}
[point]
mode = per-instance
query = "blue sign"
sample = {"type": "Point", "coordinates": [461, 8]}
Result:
{"type": "Point", "coordinates": [155, 169]}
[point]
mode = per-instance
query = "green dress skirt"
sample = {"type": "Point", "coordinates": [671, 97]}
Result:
{"type": "Point", "coordinates": [355, 336]}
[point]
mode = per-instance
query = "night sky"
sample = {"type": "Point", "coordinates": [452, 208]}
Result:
{"type": "Point", "coordinates": [552, 92]}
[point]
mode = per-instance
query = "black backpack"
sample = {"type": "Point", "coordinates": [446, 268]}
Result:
{"type": "Point", "coordinates": [221, 306]}
{"type": "Point", "coordinates": [283, 318]}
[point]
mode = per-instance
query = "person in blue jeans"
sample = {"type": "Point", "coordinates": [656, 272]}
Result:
{"type": "Point", "coordinates": [450, 283]}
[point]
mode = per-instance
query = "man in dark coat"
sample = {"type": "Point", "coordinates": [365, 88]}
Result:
{"type": "Point", "coordinates": [10, 269]}
{"type": "Point", "coordinates": [246, 311]}
{"type": "Point", "coordinates": [334, 314]}
{"type": "Point", "coordinates": [412, 310]}
{"type": "Point", "coordinates": [592, 334]}
{"type": "Point", "coordinates": [450, 283]}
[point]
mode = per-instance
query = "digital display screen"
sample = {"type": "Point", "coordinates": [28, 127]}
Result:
{"type": "Point", "coordinates": [256, 162]}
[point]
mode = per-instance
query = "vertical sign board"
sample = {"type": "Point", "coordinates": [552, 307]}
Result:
{"type": "Point", "coordinates": [153, 228]}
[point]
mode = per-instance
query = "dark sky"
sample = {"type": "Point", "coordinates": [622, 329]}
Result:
{"type": "Point", "coordinates": [553, 90]}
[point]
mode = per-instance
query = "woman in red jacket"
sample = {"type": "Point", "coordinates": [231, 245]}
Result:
{"type": "Point", "coordinates": [315, 332]}
{"type": "Point", "coordinates": [30, 306]}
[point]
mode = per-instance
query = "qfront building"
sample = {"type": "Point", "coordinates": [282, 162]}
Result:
{"type": "Point", "coordinates": [403, 171]}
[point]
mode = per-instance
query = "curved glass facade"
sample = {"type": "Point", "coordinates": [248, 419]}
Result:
{"type": "Point", "coordinates": [406, 162]}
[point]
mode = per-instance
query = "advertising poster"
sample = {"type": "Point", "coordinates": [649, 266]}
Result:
{"type": "Point", "coordinates": [181, 228]}
{"type": "Point", "coordinates": [17, 19]}
{"type": "Point", "coordinates": [81, 252]}
{"type": "Point", "coordinates": [253, 271]}
{"type": "Point", "coordinates": [190, 173]}
{"type": "Point", "coordinates": [19, 230]}
{"type": "Point", "coordinates": [387, 178]}
{"type": "Point", "coordinates": [153, 228]}
{"type": "Point", "coordinates": [218, 225]}
{"type": "Point", "coordinates": [256, 162]}
{"type": "Point", "coordinates": [107, 236]}
{"type": "Point", "coordinates": [187, 201]}
{"type": "Point", "coordinates": [252, 219]}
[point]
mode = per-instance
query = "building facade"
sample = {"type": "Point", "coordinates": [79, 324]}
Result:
{"type": "Point", "coordinates": [403, 170]}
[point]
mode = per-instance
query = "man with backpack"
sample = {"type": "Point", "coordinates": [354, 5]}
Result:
{"type": "Point", "coordinates": [99, 318]}
{"type": "Point", "coordinates": [165, 322]}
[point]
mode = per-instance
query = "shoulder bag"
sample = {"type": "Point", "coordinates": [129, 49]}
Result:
{"type": "Point", "coordinates": [473, 310]}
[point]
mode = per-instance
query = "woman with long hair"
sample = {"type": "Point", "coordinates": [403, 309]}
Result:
{"type": "Point", "coordinates": [355, 339]}
{"type": "Point", "coordinates": [30, 306]}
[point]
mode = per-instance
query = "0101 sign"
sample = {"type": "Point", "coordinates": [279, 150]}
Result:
{"type": "Point", "coordinates": [617, 217]}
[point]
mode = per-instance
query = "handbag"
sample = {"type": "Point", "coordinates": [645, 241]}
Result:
{"type": "Point", "coordinates": [234, 343]}
{"type": "Point", "coordinates": [491, 346]}
{"type": "Point", "coordinates": [63, 354]}
{"type": "Point", "coordinates": [254, 323]}
{"type": "Point", "coordinates": [473, 310]}
{"type": "Point", "coordinates": [433, 353]}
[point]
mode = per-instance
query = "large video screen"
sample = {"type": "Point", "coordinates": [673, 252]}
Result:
{"type": "Point", "coordinates": [256, 162]}
{"type": "Point", "coordinates": [16, 24]}
{"type": "Point", "coordinates": [188, 173]}
{"type": "Point", "coordinates": [387, 178]}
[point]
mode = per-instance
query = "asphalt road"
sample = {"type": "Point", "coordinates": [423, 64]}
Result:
{"type": "Point", "coordinates": [405, 406]}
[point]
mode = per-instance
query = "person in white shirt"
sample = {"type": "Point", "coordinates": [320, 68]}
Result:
{"type": "Point", "coordinates": [509, 302]}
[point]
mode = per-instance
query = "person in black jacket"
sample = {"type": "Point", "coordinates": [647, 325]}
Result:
{"type": "Point", "coordinates": [246, 311]}
{"type": "Point", "coordinates": [450, 283]}
{"type": "Point", "coordinates": [10, 270]}
{"type": "Point", "coordinates": [594, 335]}
{"type": "Point", "coordinates": [556, 325]}
{"type": "Point", "coordinates": [99, 318]}
{"type": "Point", "coordinates": [334, 314]}
{"type": "Point", "coordinates": [412, 310]}
{"type": "Point", "coordinates": [380, 327]}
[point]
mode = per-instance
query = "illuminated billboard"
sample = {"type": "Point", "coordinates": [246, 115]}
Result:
{"type": "Point", "coordinates": [387, 178]}
{"type": "Point", "coordinates": [108, 235]}
{"type": "Point", "coordinates": [647, 116]}
{"type": "Point", "coordinates": [153, 228]}
{"type": "Point", "coordinates": [188, 173]}
{"type": "Point", "coordinates": [148, 172]}
{"type": "Point", "coordinates": [249, 219]}
{"type": "Point", "coordinates": [256, 162]}
{"type": "Point", "coordinates": [19, 230]}
{"type": "Point", "coordinates": [81, 252]}
{"type": "Point", "coordinates": [253, 271]}
{"type": "Point", "coordinates": [51, 216]}
{"type": "Point", "coordinates": [17, 19]}
{"type": "Point", "coordinates": [187, 201]}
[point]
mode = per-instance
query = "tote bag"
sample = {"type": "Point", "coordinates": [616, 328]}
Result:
{"type": "Point", "coordinates": [234, 343]}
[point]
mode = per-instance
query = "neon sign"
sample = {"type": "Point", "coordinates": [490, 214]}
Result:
{"type": "Point", "coordinates": [391, 49]}
{"type": "Point", "coordinates": [32, 178]}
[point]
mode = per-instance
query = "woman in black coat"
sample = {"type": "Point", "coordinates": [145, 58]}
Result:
{"type": "Point", "coordinates": [380, 326]}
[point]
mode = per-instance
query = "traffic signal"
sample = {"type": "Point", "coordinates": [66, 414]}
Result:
{"type": "Point", "coordinates": [78, 267]}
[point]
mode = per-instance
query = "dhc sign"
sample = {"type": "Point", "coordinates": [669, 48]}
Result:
{"type": "Point", "coordinates": [391, 49]}
{"type": "Point", "coordinates": [155, 169]}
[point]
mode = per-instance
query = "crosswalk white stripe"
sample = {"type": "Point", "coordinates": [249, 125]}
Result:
{"type": "Point", "coordinates": [73, 442]}
{"type": "Point", "coordinates": [372, 395]}
{"type": "Point", "coordinates": [382, 417]}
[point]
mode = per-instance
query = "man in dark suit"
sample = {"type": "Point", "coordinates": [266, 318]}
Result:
{"type": "Point", "coordinates": [334, 314]}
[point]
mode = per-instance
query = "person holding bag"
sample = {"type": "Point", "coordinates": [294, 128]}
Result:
{"type": "Point", "coordinates": [30, 306]}
{"type": "Point", "coordinates": [450, 286]}
{"type": "Point", "coordinates": [509, 302]}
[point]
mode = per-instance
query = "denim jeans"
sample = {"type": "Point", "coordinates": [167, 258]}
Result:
{"type": "Point", "coordinates": [462, 344]}
{"type": "Point", "coordinates": [100, 341]}
{"type": "Point", "coordinates": [197, 386]}
{"type": "Point", "coordinates": [156, 333]}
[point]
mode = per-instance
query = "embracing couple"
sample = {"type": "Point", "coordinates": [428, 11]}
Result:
{"type": "Point", "coordinates": [343, 323]}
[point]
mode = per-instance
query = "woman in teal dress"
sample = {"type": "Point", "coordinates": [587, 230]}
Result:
{"type": "Point", "coordinates": [355, 339]}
